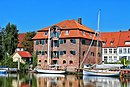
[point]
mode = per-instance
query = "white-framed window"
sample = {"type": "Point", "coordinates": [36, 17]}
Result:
{"type": "Point", "coordinates": [115, 58]}
{"type": "Point", "coordinates": [128, 50]}
{"type": "Point", "coordinates": [83, 32]}
{"type": "Point", "coordinates": [110, 50]}
{"type": "Point", "coordinates": [115, 51]}
{"type": "Point", "coordinates": [105, 51]}
{"type": "Point", "coordinates": [67, 32]}
{"type": "Point", "coordinates": [120, 50]}
{"type": "Point", "coordinates": [124, 50]}
{"type": "Point", "coordinates": [110, 58]}
{"type": "Point", "coordinates": [45, 33]}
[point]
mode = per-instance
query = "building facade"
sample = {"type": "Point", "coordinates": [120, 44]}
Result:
{"type": "Point", "coordinates": [71, 44]}
{"type": "Point", "coordinates": [116, 45]}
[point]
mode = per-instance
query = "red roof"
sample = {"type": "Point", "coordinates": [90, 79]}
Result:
{"type": "Point", "coordinates": [24, 54]}
{"type": "Point", "coordinates": [117, 38]}
{"type": "Point", "coordinates": [75, 30]}
{"type": "Point", "coordinates": [20, 39]}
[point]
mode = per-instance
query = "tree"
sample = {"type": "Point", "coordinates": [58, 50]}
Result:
{"type": "Point", "coordinates": [28, 42]}
{"type": "Point", "coordinates": [124, 61]}
{"type": "Point", "coordinates": [9, 39]}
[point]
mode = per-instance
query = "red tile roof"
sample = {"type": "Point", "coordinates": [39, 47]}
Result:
{"type": "Point", "coordinates": [25, 54]}
{"type": "Point", "coordinates": [74, 30]}
{"type": "Point", "coordinates": [20, 40]}
{"type": "Point", "coordinates": [118, 38]}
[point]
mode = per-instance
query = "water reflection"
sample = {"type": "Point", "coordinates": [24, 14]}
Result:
{"type": "Point", "coordinates": [52, 80]}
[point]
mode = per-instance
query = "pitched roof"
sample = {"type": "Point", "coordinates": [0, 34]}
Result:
{"type": "Point", "coordinates": [25, 54]}
{"type": "Point", "coordinates": [117, 39]}
{"type": "Point", "coordinates": [71, 25]}
{"type": "Point", "coordinates": [20, 39]}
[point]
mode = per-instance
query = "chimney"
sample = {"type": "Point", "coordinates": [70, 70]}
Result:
{"type": "Point", "coordinates": [80, 21]}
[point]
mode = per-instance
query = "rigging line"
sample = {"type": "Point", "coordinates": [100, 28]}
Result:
{"type": "Point", "coordinates": [88, 48]}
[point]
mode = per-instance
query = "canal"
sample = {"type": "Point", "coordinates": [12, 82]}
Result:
{"type": "Point", "coordinates": [52, 80]}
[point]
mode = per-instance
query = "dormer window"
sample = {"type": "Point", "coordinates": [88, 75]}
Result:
{"type": "Point", "coordinates": [67, 32]}
{"type": "Point", "coordinates": [90, 34]}
{"type": "Point", "coordinates": [45, 33]}
{"type": "Point", "coordinates": [111, 42]}
{"type": "Point", "coordinates": [104, 43]}
{"type": "Point", "coordinates": [83, 32]}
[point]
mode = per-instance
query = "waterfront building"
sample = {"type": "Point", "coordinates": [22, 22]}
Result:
{"type": "Point", "coordinates": [70, 45]}
{"type": "Point", "coordinates": [115, 45]}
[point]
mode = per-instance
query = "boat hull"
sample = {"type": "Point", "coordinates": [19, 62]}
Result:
{"type": "Point", "coordinates": [50, 71]}
{"type": "Point", "coordinates": [106, 74]}
{"type": "Point", "coordinates": [3, 71]}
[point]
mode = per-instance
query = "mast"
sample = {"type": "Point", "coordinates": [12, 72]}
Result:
{"type": "Point", "coordinates": [48, 51]}
{"type": "Point", "coordinates": [98, 29]}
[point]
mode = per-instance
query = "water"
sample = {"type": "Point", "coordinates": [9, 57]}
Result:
{"type": "Point", "coordinates": [52, 80]}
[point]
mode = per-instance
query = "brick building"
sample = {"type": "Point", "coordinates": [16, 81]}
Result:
{"type": "Point", "coordinates": [69, 43]}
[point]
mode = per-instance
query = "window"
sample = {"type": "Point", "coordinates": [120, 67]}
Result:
{"type": "Point", "coordinates": [115, 51]}
{"type": "Point", "coordinates": [71, 62]}
{"type": "Point", "coordinates": [104, 43]}
{"type": "Point", "coordinates": [45, 61]}
{"type": "Point", "coordinates": [83, 53]}
{"type": "Point", "coordinates": [90, 34]}
{"type": "Point", "coordinates": [39, 52]}
{"type": "Point", "coordinates": [37, 42]}
{"type": "Point", "coordinates": [124, 50]}
{"type": "Point", "coordinates": [110, 58]}
{"type": "Point", "coordinates": [73, 41]}
{"type": "Point", "coordinates": [67, 32]}
{"type": "Point", "coordinates": [105, 59]}
{"type": "Point", "coordinates": [92, 53]}
{"type": "Point", "coordinates": [83, 41]}
{"type": "Point", "coordinates": [72, 52]}
{"type": "Point", "coordinates": [64, 62]}
{"type": "Point", "coordinates": [111, 42]}
{"type": "Point", "coordinates": [83, 32]}
{"type": "Point", "coordinates": [39, 60]}
{"type": "Point", "coordinates": [115, 58]}
{"type": "Point", "coordinates": [42, 42]}
{"type": "Point", "coordinates": [45, 33]}
{"type": "Point", "coordinates": [128, 50]}
{"type": "Point", "coordinates": [56, 43]}
{"type": "Point", "coordinates": [110, 50]}
{"type": "Point", "coordinates": [42, 52]}
{"type": "Point", "coordinates": [120, 50]}
{"type": "Point", "coordinates": [62, 52]}
{"type": "Point", "coordinates": [62, 41]}
{"type": "Point", "coordinates": [55, 54]}
{"type": "Point", "coordinates": [105, 51]}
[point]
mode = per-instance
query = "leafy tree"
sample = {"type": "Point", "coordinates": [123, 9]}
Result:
{"type": "Point", "coordinates": [34, 60]}
{"type": "Point", "coordinates": [28, 42]}
{"type": "Point", "coordinates": [124, 61]}
{"type": "Point", "coordinates": [9, 39]}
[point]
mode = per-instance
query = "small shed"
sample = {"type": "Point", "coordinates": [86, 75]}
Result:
{"type": "Point", "coordinates": [22, 56]}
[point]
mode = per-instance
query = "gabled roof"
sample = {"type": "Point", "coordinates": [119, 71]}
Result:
{"type": "Point", "coordinates": [71, 25]}
{"type": "Point", "coordinates": [24, 54]}
{"type": "Point", "coordinates": [117, 38]}
{"type": "Point", "coordinates": [20, 39]}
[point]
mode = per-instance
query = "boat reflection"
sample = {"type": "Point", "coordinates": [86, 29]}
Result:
{"type": "Point", "coordinates": [53, 80]}
{"type": "Point", "coordinates": [92, 81]}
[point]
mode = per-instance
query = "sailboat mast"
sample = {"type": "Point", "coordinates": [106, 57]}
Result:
{"type": "Point", "coordinates": [98, 29]}
{"type": "Point", "coordinates": [48, 53]}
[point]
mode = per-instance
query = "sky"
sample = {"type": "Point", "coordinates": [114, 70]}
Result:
{"type": "Point", "coordinates": [33, 15]}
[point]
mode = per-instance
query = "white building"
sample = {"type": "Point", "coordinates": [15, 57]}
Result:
{"type": "Point", "coordinates": [116, 45]}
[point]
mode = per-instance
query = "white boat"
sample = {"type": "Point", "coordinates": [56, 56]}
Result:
{"type": "Point", "coordinates": [47, 71]}
{"type": "Point", "coordinates": [3, 71]}
{"type": "Point", "coordinates": [106, 73]}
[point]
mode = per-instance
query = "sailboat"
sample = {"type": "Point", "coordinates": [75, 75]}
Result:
{"type": "Point", "coordinates": [101, 70]}
{"type": "Point", "coordinates": [53, 69]}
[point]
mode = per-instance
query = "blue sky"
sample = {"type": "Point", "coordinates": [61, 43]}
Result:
{"type": "Point", "coordinates": [32, 15]}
